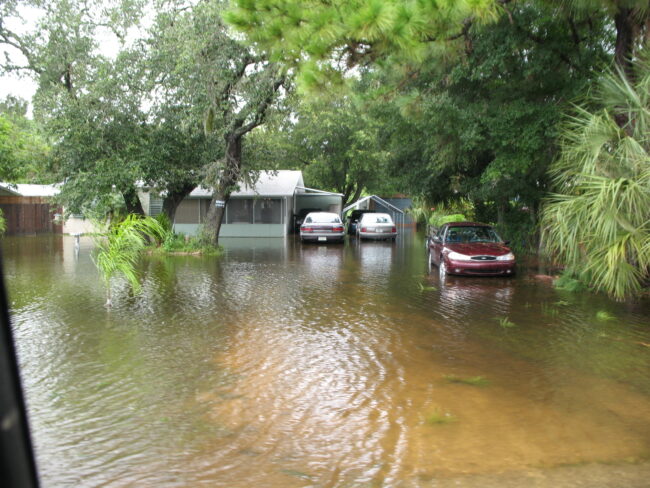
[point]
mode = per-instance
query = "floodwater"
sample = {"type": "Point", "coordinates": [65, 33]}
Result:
{"type": "Point", "coordinates": [286, 365]}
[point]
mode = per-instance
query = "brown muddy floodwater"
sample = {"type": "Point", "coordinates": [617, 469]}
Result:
{"type": "Point", "coordinates": [285, 365]}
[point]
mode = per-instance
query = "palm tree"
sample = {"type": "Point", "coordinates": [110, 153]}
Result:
{"type": "Point", "coordinates": [119, 250]}
{"type": "Point", "coordinates": [598, 222]}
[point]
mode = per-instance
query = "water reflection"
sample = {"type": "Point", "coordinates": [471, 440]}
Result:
{"type": "Point", "coordinates": [285, 364]}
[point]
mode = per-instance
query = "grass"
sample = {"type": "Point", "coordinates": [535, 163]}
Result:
{"type": "Point", "coordinates": [438, 417]}
{"type": "Point", "coordinates": [472, 380]}
{"type": "Point", "coordinates": [505, 323]}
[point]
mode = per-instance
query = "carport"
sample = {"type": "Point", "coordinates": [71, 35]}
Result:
{"type": "Point", "coordinates": [373, 202]}
{"type": "Point", "coordinates": [312, 200]}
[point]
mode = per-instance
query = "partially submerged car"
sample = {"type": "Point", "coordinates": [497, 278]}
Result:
{"type": "Point", "coordinates": [353, 220]}
{"type": "Point", "coordinates": [299, 218]}
{"type": "Point", "coordinates": [376, 226]}
{"type": "Point", "coordinates": [470, 248]}
{"type": "Point", "coordinates": [322, 227]}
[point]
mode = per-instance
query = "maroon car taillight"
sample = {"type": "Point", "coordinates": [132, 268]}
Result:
{"type": "Point", "coordinates": [337, 229]}
{"type": "Point", "coordinates": [394, 229]}
{"type": "Point", "coordinates": [307, 229]}
{"type": "Point", "coordinates": [363, 229]}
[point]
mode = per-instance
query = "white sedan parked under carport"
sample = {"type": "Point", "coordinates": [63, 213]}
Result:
{"type": "Point", "coordinates": [376, 226]}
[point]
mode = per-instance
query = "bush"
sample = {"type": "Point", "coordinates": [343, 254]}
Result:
{"type": "Point", "coordinates": [3, 223]}
{"type": "Point", "coordinates": [437, 220]}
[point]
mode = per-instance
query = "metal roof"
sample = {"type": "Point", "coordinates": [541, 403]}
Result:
{"type": "Point", "coordinates": [27, 190]}
{"type": "Point", "coordinates": [278, 183]}
{"type": "Point", "coordinates": [377, 199]}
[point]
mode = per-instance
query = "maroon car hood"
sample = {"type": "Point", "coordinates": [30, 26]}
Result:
{"type": "Point", "coordinates": [478, 248]}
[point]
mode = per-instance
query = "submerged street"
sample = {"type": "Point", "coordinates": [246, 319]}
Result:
{"type": "Point", "coordinates": [284, 364]}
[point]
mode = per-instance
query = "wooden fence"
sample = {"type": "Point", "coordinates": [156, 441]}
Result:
{"type": "Point", "coordinates": [29, 215]}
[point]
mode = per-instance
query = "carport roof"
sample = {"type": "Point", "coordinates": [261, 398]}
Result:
{"type": "Point", "coordinates": [269, 184]}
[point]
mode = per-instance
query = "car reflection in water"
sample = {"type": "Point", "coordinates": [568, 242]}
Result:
{"type": "Point", "coordinates": [321, 265]}
{"type": "Point", "coordinates": [375, 260]}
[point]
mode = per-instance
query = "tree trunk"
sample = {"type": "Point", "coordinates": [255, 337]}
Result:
{"type": "Point", "coordinates": [230, 175]}
{"type": "Point", "coordinates": [173, 200]}
{"type": "Point", "coordinates": [214, 218]}
{"type": "Point", "coordinates": [626, 28]}
{"type": "Point", "coordinates": [132, 202]}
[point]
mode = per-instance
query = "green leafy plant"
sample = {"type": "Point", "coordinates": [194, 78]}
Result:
{"type": "Point", "coordinates": [424, 288]}
{"type": "Point", "coordinates": [3, 223]}
{"type": "Point", "coordinates": [604, 316]}
{"type": "Point", "coordinates": [569, 281]}
{"type": "Point", "coordinates": [505, 323]}
{"type": "Point", "coordinates": [119, 249]}
{"type": "Point", "coordinates": [182, 244]}
{"type": "Point", "coordinates": [598, 221]}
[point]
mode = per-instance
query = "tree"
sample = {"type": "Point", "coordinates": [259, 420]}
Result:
{"type": "Point", "coordinates": [598, 221]}
{"type": "Point", "coordinates": [23, 150]}
{"type": "Point", "coordinates": [225, 84]}
{"type": "Point", "coordinates": [334, 142]}
{"type": "Point", "coordinates": [483, 126]}
{"type": "Point", "coordinates": [324, 38]}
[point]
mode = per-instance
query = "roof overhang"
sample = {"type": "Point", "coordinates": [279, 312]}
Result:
{"type": "Point", "coordinates": [380, 200]}
{"type": "Point", "coordinates": [314, 191]}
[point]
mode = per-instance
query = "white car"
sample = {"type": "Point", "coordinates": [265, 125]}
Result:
{"type": "Point", "coordinates": [322, 227]}
{"type": "Point", "coordinates": [376, 226]}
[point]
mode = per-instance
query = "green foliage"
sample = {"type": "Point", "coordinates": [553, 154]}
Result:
{"type": "Point", "coordinates": [598, 222]}
{"type": "Point", "coordinates": [437, 220]}
{"type": "Point", "coordinates": [484, 128]}
{"type": "Point", "coordinates": [181, 244]}
{"type": "Point", "coordinates": [119, 249]}
{"type": "Point", "coordinates": [505, 323]}
{"type": "Point", "coordinates": [325, 38]}
{"type": "Point", "coordinates": [604, 316]}
{"type": "Point", "coordinates": [165, 223]}
{"type": "Point", "coordinates": [424, 288]}
{"type": "Point", "coordinates": [3, 223]}
{"type": "Point", "coordinates": [23, 150]}
{"type": "Point", "coordinates": [570, 281]}
{"type": "Point", "coordinates": [334, 141]}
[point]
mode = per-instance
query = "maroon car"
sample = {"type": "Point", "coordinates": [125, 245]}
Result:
{"type": "Point", "coordinates": [470, 248]}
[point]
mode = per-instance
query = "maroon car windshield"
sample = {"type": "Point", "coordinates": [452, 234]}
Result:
{"type": "Point", "coordinates": [465, 234]}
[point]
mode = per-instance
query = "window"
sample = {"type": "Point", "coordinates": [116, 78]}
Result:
{"type": "Point", "coordinates": [240, 211]}
{"type": "Point", "coordinates": [187, 212]}
{"type": "Point", "coordinates": [268, 211]}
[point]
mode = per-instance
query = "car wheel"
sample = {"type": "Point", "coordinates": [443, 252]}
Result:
{"type": "Point", "coordinates": [442, 268]}
{"type": "Point", "coordinates": [430, 261]}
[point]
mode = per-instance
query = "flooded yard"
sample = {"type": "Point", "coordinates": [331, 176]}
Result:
{"type": "Point", "coordinates": [290, 365]}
